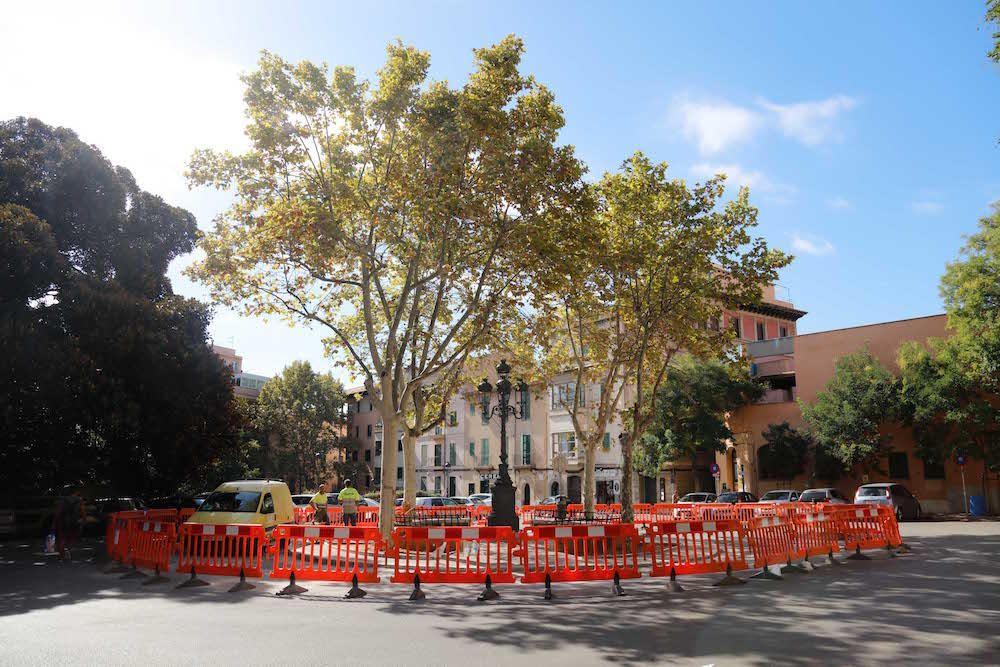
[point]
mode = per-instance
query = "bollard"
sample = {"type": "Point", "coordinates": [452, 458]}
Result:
{"type": "Point", "coordinates": [857, 555]}
{"type": "Point", "coordinates": [765, 573]}
{"type": "Point", "coordinates": [791, 568]}
{"type": "Point", "coordinates": [356, 591]}
{"type": "Point", "coordinates": [833, 561]}
{"type": "Point", "coordinates": [729, 579]}
{"type": "Point", "coordinates": [157, 578]}
{"type": "Point", "coordinates": [488, 593]}
{"type": "Point", "coordinates": [672, 585]}
{"type": "Point", "coordinates": [242, 584]}
{"type": "Point", "coordinates": [548, 587]}
{"type": "Point", "coordinates": [292, 588]}
{"type": "Point", "coordinates": [417, 595]}
{"type": "Point", "coordinates": [192, 582]}
{"type": "Point", "coordinates": [616, 588]}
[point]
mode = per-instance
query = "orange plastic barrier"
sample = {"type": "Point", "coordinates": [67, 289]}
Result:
{"type": "Point", "coordinates": [694, 547]}
{"type": "Point", "coordinates": [890, 526]}
{"type": "Point", "coordinates": [460, 515]}
{"type": "Point", "coordinates": [772, 541]}
{"type": "Point", "coordinates": [163, 516]}
{"type": "Point", "coordinates": [579, 553]}
{"type": "Point", "coordinates": [717, 512]}
{"type": "Point", "coordinates": [222, 549]}
{"type": "Point", "coordinates": [185, 513]}
{"type": "Point", "coordinates": [153, 544]}
{"type": "Point", "coordinates": [304, 513]}
{"type": "Point", "coordinates": [816, 534]}
{"type": "Point", "coordinates": [453, 555]}
{"type": "Point", "coordinates": [328, 553]}
{"type": "Point", "coordinates": [118, 538]}
{"type": "Point", "coordinates": [862, 527]}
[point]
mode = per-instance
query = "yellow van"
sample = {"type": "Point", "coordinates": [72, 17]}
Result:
{"type": "Point", "coordinates": [261, 501]}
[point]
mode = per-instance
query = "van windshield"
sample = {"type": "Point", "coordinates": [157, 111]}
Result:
{"type": "Point", "coordinates": [231, 501]}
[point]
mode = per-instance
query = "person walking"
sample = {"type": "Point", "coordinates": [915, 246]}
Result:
{"type": "Point", "coordinates": [319, 503]}
{"type": "Point", "coordinates": [349, 499]}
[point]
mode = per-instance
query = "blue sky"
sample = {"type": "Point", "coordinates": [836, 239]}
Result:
{"type": "Point", "coordinates": [867, 132]}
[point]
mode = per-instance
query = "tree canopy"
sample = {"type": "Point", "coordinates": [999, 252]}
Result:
{"type": "Point", "coordinates": [784, 453]}
{"type": "Point", "coordinates": [847, 416]}
{"type": "Point", "coordinates": [107, 377]}
{"type": "Point", "coordinates": [691, 411]}
{"type": "Point", "coordinates": [404, 216]}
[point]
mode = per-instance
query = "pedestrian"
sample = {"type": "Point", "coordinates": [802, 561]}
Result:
{"type": "Point", "coordinates": [349, 499]}
{"type": "Point", "coordinates": [319, 503]}
{"type": "Point", "coordinates": [68, 521]}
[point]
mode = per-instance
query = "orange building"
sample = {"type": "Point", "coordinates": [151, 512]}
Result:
{"type": "Point", "coordinates": [797, 368]}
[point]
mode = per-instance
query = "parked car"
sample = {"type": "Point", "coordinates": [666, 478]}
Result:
{"type": "Point", "coordinates": [105, 507]}
{"type": "Point", "coordinates": [699, 497]}
{"type": "Point", "coordinates": [302, 499]}
{"type": "Point", "coordinates": [482, 498]}
{"type": "Point", "coordinates": [262, 501]}
{"type": "Point", "coordinates": [736, 497]}
{"type": "Point", "coordinates": [551, 500]}
{"type": "Point", "coordinates": [462, 500]}
{"type": "Point", "coordinates": [368, 502]}
{"type": "Point", "coordinates": [904, 503]}
{"type": "Point", "coordinates": [825, 495]}
{"type": "Point", "coordinates": [780, 496]}
{"type": "Point", "coordinates": [199, 498]}
{"type": "Point", "coordinates": [435, 501]}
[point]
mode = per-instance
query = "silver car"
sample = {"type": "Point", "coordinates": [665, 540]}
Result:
{"type": "Point", "coordinates": [780, 496]}
{"type": "Point", "coordinates": [904, 503]}
{"type": "Point", "coordinates": [824, 495]}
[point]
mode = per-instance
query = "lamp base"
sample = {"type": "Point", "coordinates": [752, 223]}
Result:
{"type": "Point", "coordinates": [503, 513]}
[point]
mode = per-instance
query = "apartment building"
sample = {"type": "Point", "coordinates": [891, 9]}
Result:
{"type": "Point", "coordinates": [246, 385]}
{"type": "Point", "coordinates": [460, 456]}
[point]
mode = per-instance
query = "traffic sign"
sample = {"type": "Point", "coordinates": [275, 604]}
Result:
{"type": "Point", "coordinates": [714, 467]}
{"type": "Point", "coordinates": [960, 459]}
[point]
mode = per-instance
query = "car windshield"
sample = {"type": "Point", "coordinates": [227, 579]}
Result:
{"type": "Point", "coordinates": [301, 500]}
{"type": "Point", "coordinates": [728, 497]}
{"type": "Point", "coordinates": [810, 496]}
{"type": "Point", "coordinates": [776, 495]}
{"type": "Point", "coordinates": [869, 491]}
{"type": "Point", "coordinates": [693, 498]}
{"type": "Point", "coordinates": [231, 501]}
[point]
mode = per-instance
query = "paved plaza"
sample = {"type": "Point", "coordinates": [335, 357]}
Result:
{"type": "Point", "coordinates": [939, 604]}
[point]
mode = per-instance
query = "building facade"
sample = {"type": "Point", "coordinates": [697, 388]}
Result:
{"type": "Point", "coordinates": [245, 385]}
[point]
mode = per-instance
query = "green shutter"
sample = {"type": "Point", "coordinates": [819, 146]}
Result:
{"type": "Point", "coordinates": [526, 449]}
{"type": "Point", "coordinates": [484, 455]}
{"type": "Point", "coordinates": [607, 441]}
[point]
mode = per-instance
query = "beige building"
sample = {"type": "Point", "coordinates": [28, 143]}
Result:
{"type": "Point", "coordinates": [246, 385]}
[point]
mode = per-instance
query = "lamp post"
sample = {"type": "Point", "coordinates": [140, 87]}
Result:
{"type": "Point", "coordinates": [502, 513]}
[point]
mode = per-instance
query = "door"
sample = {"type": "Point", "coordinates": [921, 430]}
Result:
{"type": "Point", "coordinates": [526, 495]}
{"type": "Point", "coordinates": [472, 488]}
{"type": "Point", "coordinates": [573, 489]}
{"type": "Point", "coordinates": [452, 483]}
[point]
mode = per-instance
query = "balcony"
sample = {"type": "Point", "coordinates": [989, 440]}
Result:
{"type": "Point", "coordinates": [777, 396]}
{"type": "Point", "coordinates": [773, 367]}
{"type": "Point", "coordinates": [771, 348]}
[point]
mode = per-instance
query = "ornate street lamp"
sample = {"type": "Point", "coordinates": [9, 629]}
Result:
{"type": "Point", "coordinates": [503, 513]}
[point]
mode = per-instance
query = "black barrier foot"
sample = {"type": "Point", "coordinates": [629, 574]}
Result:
{"type": "Point", "coordinates": [242, 584]}
{"type": "Point", "coordinates": [292, 588]}
{"type": "Point", "coordinates": [806, 565]}
{"type": "Point", "coordinates": [356, 591]}
{"type": "Point", "coordinates": [765, 573]}
{"type": "Point", "coordinates": [903, 548]}
{"type": "Point", "coordinates": [548, 588]}
{"type": "Point", "coordinates": [133, 573]}
{"type": "Point", "coordinates": [888, 550]}
{"type": "Point", "coordinates": [673, 586]}
{"type": "Point", "coordinates": [729, 579]}
{"type": "Point", "coordinates": [192, 582]}
{"type": "Point", "coordinates": [857, 555]}
{"type": "Point", "coordinates": [417, 594]}
{"type": "Point", "coordinates": [791, 568]}
{"type": "Point", "coordinates": [833, 561]}
{"type": "Point", "coordinates": [488, 592]}
{"type": "Point", "coordinates": [616, 588]}
{"type": "Point", "coordinates": [157, 578]}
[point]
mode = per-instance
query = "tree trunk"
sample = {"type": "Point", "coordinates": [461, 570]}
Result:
{"type": "Point", "coordinates": [589, 473]}
{"type": "Point", "coordinates": [409, 469]}
{"type": "Point", "coordinates": [387, 511]}
{"type": "Point", "coordinates": [627, 513]}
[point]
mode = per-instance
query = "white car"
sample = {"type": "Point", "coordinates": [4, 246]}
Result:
{"type": "Point", "coordinates": [482, 498]}
{"type": "Point", "coordinates": [780, 496]}
{"type": "Point", "coordinates": [824, 495]}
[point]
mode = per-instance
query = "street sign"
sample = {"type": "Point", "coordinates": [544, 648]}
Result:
{"type": "Point", "coordinates": [714, 467]}
{"type": "Point", "coordinates": [716, 474]}
{"type": "Point", "coordinates": [489, 477]}
{"type": "Point", "coordinates": [960, 459]}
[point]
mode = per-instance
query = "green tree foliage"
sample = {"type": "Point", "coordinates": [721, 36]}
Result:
{"type": "Point", "coordinates": [300, 409]}
{"type": "Point", "coordinates": [847, 416]}
{"type": "Point", "coordinates": [784, 453]}
{"type": "Point", "coordinates": [993, 16]}
{"type": "Point", "coordinates": [403, 216]}
{"type": "Point", "coordinates": [691, 410]}
{"type": "Point", "coordinates": [106, 375]}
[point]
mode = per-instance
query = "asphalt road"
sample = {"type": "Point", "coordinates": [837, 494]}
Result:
{"type": "Point", "coordinates": [938, 605]}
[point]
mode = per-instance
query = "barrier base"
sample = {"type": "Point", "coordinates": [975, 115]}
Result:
{"type": "Point", "coordinates": [242, 584]}
{"type": "Point", "coordinates": [767, 574]}
{"type": "Point", "coordinates": [417, 595]}
{"type": "Point", "coordinates": [356, 591]}
{"type": "Point", "coordinates": [133, 573]}
{"type": "Point", "coordinates": [792, 568]}
{"type": "Point", "coordinates": [729, 579]}
{"type": "Point", "coordinates": [117, 567]}
{"type": "Point", "coordinates": [488, 592]}
{"type": "Point", "coordinates": [616, 588]}
{"type": "Point", "coordinates": [193, 582]}
{"type": "Point", "coordinates": [673, 586]}
{"type": "Point", "coordinates": [157, 578]}
{"type": "Point", "coordinates": [548, 588]}
{"type": "Point", "coordinates": [857, 555]}
{"type": "Point", "coordinates": [832, 559]}
{"type": "Point", "coordinates": [292, 588]}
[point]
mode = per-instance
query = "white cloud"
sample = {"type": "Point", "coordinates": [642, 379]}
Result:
{"type": "Point", "coordinates": [812, 123]}
{"type": "Point", "coordinates": [756, 180]}
{"type": "Point", "coordinates": [839, 204]}
{"type": "Point", "coordinates": [927, 207]}
{"type": "Point", "coordinates": [715, 126]}
{"type": "Point", "coordinates": [811, 245]}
